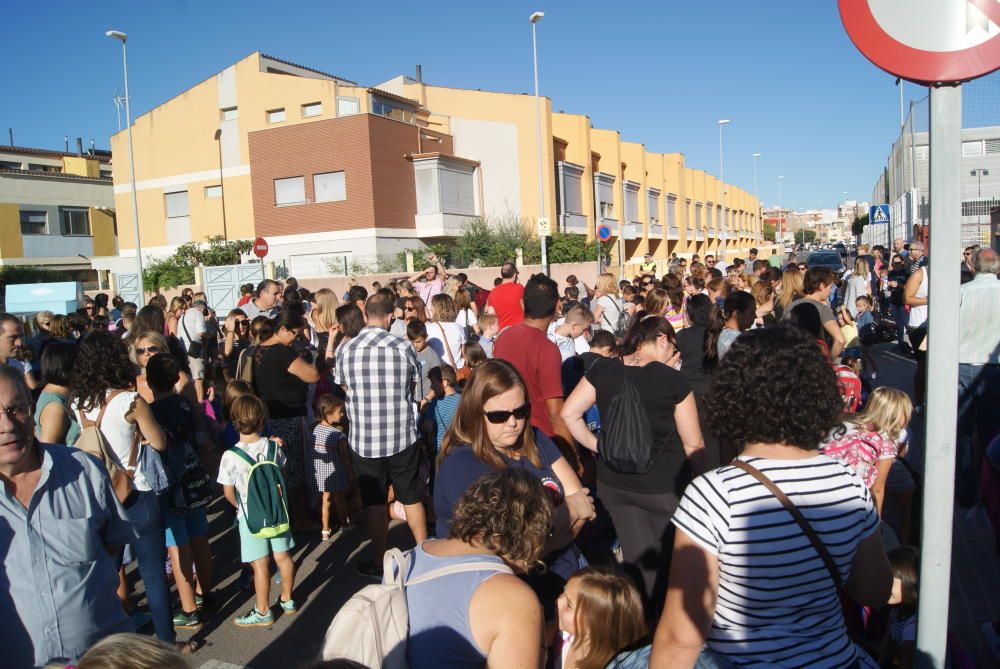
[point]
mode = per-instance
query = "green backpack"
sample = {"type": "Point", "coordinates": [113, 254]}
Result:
{"type": "Point", "coordinates": [266, 506]}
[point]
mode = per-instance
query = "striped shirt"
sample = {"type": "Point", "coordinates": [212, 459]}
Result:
{"type": "Point", "coordinates": [979, 318]}
{"type": "Point", "coordinates": [777, 604]}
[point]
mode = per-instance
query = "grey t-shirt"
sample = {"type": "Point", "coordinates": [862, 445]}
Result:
{"type": "Point", "coordinates": [825, 312]}
{"type": "Point", "coordinates": [726, 339]}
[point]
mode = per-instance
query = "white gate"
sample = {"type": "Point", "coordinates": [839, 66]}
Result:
{"type": "Point", "coordinates": [222, 284]}
{"type": "Point", "coordinates": [127, 286]}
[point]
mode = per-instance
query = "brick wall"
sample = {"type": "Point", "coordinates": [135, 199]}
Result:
{"type": "Point", "coordinates": [370, 150]}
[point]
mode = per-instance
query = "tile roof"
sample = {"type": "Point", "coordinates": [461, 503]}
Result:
{"type": "Point", "coordinates": [310, 69]}
{"type": "Point", "coordinates": [53, 175]}
{"type": "Point", "coordinates": [99, 154]}
{"type": "Point", "coordinates": [393, 96]}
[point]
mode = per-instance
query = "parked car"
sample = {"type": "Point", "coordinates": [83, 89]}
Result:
{"type": "Point", "coordinates": [841, 249]}
{"type": "Point", "coordinates": [831, 259]}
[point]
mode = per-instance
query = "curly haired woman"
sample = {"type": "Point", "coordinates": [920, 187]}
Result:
{"type": "Point", "coordinates": [746, 582]}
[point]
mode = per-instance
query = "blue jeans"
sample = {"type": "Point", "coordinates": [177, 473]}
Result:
{"type": "Point", "coordinates": [978, 409]}
{"type": "Point", "coordinates": [150, 550]}
{"type": "Point", "coordinates": [901, 317]}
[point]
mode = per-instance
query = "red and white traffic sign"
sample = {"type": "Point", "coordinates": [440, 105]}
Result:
{"type": "Point", "coordinates": [926, 41]}
{"type": "Point", "coordinates": [260, 247]}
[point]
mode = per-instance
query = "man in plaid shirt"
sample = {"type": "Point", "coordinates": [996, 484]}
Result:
{"type": "Point", "coordinates": [379, 372]}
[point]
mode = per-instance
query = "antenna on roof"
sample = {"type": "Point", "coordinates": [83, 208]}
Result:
{"type": "Point", "coordinates": [119, 102]}
{"type": "Point", "coordinates": [420, 74]}
{"type": "Point", "coordinates": [66, 143]}
{"type": "Point", "coordinates": [10, 133]}
{"type": "Point", "coordinates": [91, 147]}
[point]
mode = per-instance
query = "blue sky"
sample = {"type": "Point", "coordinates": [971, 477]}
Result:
{"type": "Point", "coordinates": [660, 71]}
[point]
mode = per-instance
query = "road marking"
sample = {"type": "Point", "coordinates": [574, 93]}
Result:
{"type": "Point", "coordinates": [890, 354]}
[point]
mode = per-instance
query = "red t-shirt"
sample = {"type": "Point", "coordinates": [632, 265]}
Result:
{"type": "Point", "coordinates": [506, 302]}
{"type": "Point", "coordinates": [244, 300]}
{"type": "Point", "coordinates": [539, 361]}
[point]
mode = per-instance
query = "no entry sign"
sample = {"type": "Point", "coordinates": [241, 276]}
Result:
{"type": "Point", "coordinates": [260, 247]}
{"type": "Point", "coordinates": [926, 41]}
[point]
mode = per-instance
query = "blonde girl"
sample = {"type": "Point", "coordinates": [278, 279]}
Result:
{"type": "Point", "coordinates": [869, 440]}
{"type": "Point", "coordinates": [600, 619]}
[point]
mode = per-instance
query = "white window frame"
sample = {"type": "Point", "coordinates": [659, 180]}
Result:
{"type": "Point", "coordinates": [326, 187]}
{"type": "Point", "coordinates": [275, 115]}
{"type": "Point", "coordinates": [213, 192]}
{"type": "Point", "coordinates": [312, 109]}
{"type": "Point", "coordinates": [348, 100]}
{"type": "Point", "coordinates": [181, 211]}
{"type": "Point", "coordinates": [289, 185]}
{"type": "Point", "coordinates": [229, 113]}
{"type": "Point", "coordinates": [30, 213]}
{"type": "Point", "coordinates": [972, 149]}
{"type": "Point", "coordinates": [66, 223]}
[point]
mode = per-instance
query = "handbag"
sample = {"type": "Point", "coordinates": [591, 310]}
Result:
{"type": "Point", "coordinates": [460, 374]}
{"type": "Point", "coordinates": [93, 441]}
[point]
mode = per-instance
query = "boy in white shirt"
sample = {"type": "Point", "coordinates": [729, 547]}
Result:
{"type": "Point", "coordinates": [248, 415]}
{"type": "Point", "coordinates": [568, 334]}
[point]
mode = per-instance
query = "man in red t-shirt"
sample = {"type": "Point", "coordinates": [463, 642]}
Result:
{"type": "Point", "coordinates": [527, 347]}
{"type": "Point", "coordinates": [507, 299]}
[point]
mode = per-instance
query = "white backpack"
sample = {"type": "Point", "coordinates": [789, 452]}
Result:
{"type": "Point", "coordinates": [372, 626]}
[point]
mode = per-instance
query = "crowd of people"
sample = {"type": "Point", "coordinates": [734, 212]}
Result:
{"type": "Point", "coordinates": [693, 468]}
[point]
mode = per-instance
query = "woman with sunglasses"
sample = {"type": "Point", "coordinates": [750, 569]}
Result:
{"type": "Point", "coordinates": [143, 348]}
{"type": "Point", "coordinates": [641, 504]}
{"type": "Point", "coordinates": [281, 379]}
{"type": "Point", "coordinates": [237, 339]}
{"type": "Point", "coordinates": [491, 431]}
{"type": "Point", "coordinates": [413, 307]}
{"type": "Point", "coordinates": [177, 308]}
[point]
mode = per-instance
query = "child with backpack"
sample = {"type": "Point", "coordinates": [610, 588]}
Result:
{"type": "Point", "coordinates": [184, 503]}
{"type": "Point", "coordinates": [250, 474]}
{"type": "Point", "coordinates": [330, 455]}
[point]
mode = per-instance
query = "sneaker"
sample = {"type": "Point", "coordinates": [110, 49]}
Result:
{"type": "Point", "coordinates": [287, 606]}
{"type": "Point", "coordinates": [206, 600]}
{"type": "Point", "coordinates": [187, 621]}
{"type": "Point", "coordinates": [992, 638]}
{"type": "Point", "coordinates": [369, 570]}
{"type": "Point", "coordinates": [325, 535]}
{"type": "Point", "coordinates": [255, 618]}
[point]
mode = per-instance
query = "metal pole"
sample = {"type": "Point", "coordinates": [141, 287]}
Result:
{"type": "Point", "coordinates": [781, 219]}
{"type": "Point", "coordinates": [723, 233]}
{"type": "Point", "coordinates": [222, 188]}
{"type": "Point", "coordinates": [942, 367]}
{"type": "Point", "coordinates": [538, 137]}
{"type": "Point", "coordinates": [902, 118]}
{"type": "Point", "coordinates": [135, 199]}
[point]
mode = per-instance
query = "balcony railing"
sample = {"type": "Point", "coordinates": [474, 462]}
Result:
{"type": "Point", "coordinates": [575, 223]}
{"type": "Point", "coordinates": [673, 233]}
{"type": "Point", "coordinates": [655, 231]}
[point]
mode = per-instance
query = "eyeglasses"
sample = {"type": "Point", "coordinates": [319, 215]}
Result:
{"type": "Point", "coordinates": [500, 417]}
{"type": "Point", "coordinates": [409, 309]}
{"type": "Point", "coordinates": [647, 283]}
{"type": "Point", "coordinates": [89, 307]}
{"type": "Point", "coordinates": [17, 413]}
{"type": "Point", "coordinates": [140, 350]}
{"type": "Point", "coordinates": [242, 323]}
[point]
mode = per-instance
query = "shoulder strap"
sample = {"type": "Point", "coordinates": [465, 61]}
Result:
{"type": "Point", "coordinates": [272, 450]}
{"type": "Point", "coordinates": [459, 569]}
{"type": "Point", "coordinates": [797, 515]}
{"type": "Point", "coordinates": [243, 455]}
{"type": "Point", "coordinates": [184, 325]}
{"type": "Point", "coordinates": [447, 346]}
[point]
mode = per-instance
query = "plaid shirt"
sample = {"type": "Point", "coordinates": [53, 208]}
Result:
{"type": "Point", "coordinates": [379, 371]}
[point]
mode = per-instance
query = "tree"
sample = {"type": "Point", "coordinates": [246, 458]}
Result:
{"type": "Point", "coordinates": [858, 227]}
{"type": "Point", "coordinates": [769, 231]}
{"type": "Point", "coordinates": [178, 269]}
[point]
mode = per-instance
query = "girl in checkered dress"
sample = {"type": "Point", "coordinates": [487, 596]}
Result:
{"type": "Point", "coordinates": [330, 458]}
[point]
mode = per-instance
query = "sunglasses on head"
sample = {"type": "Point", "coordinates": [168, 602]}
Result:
{"type": "Point", "coordinates": [147, 349]}
{"type": "Point", "coordinates": [499, 417]}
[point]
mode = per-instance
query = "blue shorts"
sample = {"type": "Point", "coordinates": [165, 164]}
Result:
{"type": "Point", "coordinates": [253, 548]}
{"type": "Point", "coordinates": [181, 529]}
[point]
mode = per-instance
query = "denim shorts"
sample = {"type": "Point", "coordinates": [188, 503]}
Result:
{"type": "Point", "coordinates": [182, 528]}
{"type": "Point", "coordinates": [254, 548]}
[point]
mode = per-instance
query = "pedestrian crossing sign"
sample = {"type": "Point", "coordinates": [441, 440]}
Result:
{"type": "Point", "coordinates": [878, 213]}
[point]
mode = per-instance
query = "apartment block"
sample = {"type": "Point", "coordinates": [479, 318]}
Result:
{"type": "Point", "coordinates": [56, 209]}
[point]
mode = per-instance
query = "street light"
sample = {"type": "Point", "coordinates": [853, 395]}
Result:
{"type": "Point", "coordinates": [535, 18]}
{"type": "Point", "coordinates": [122, 37]}
{"type": "Point", "coordinates": [755, 195]}
{"type": "Point", "coordinates": [722, 183]}
{"type": "Point", "coordinates": [222, 189]}
{"type": "Point", "coordinates": [779, 237]}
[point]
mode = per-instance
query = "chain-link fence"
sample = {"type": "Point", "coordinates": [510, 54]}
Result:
{"type": "Point", "coordinates": [905, 181]}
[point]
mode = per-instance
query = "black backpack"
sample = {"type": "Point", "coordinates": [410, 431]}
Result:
{"type": "Point", "coordinates": [626, 439]}
{"type": "Point", "coordinates": [620, 323]}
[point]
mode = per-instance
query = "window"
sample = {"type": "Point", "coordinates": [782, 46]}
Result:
{"type": "Point", "coordinates": [74, 221]}
{"type": "Point", "coordinates": [920, 152]}
{"type": "Point", "coordinates": [291, 190]}
{"type": "Point", "coordinates": [176, 204]}
{"type": "Point", "coordinates": [276, 115]}
{"type": "Point", "coordinates": [671, 208]}
{"type": "Point", "coordinates": [213, 192]}
{"type": "Point", "coordinates": [970, 149]}
{"type": "Point", "coordinates": [329, 187]}
{"type": "Point", "coordinates": [347, 106]}
{"type": "Point", "coordinates": [230, 114]}
{"type": "Point", "coordinates": [10, 165]}
{"type": "Point", "coordinates": [312, 109]}
{"type": "Point", "coordinates": [393, 110]}
{"type": "Point", "coordinates": [993, 146]}
{"type": "Point", "coordinates": [34, 223]}
{"type": "Point", "coordinates": [653, 206]}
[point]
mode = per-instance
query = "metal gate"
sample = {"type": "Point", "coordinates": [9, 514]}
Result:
{"type": "Point", "coordinates": [222, 284]}
{"type": "Point", "coordinates": [127, 285]}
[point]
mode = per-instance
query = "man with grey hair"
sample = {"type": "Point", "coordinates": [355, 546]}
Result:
{"type": "Point", "coordinates": [978, 371]}
{"type": "Point", "coordinates": [265, 302]}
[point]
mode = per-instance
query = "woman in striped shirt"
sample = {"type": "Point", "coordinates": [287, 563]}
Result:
{"type": "Point", "coordinates": [746, 582]}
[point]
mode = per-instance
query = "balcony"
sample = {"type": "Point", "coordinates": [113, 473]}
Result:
{"type": "Point", "coordinates": [631, 231]}
{"type": "Point", "coordinates": [673, 233]}
{"type": "Point", "coordinates": [699, 236]}
{"type": "Point", "coordinates": [447, 197]}
{"type": "Point", "coordinates": [655, 231]}
{"type": "Point", "coordinates": [575, 224]}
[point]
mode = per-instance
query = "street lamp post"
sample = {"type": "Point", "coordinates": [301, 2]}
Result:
{"type": "Point", "coordinates": [755, 195]}
{"type": "Point", "coordinates": [979, 192]}
{"type": "Point", "coordinates": [535, 18]}
{"type": "Point", "coordinates": [222, 188]}
{"type": "Point", "coordinates": [724, 233]}
{"type": "Point", "coordinates": [781, 215]}
{"type": "Point", "coordinates": [122, 37]}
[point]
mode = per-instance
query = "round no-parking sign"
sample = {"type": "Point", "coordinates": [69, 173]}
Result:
{"type": "Point", "coordinates": [604, 232]}
{"type": "Point", "coordinates": [926, 41]}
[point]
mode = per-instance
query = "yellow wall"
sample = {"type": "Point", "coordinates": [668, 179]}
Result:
{"type": "Point", "coordinates": [10, 231]}
{"type": "Point", "coordinates": [575, 130]}
{"type": "Point", "coordinates": [102, 228]}
{"type": "Point", "coordinates": [84, 167]}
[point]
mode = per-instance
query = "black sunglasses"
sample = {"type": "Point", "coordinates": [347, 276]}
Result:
{"type": "Point", "coordinates": [499, 417]}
